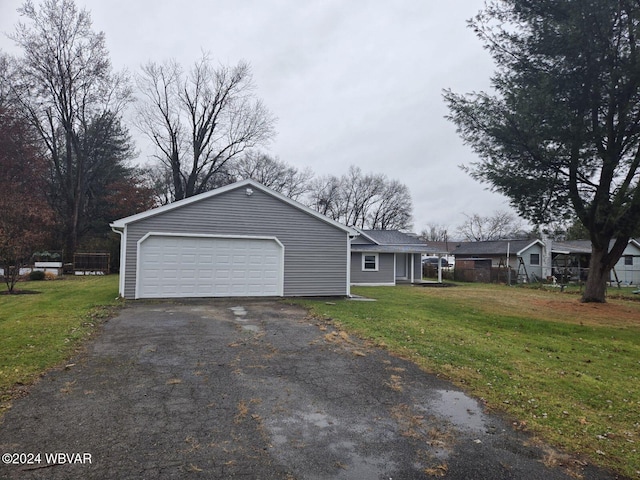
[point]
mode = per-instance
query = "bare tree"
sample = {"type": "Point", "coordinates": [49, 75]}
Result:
{"type": "Point", "coordinates": [6, 67]}
{"type": "Point", "coordinates": [360, 193]}
{"type": "Point", "coordinates": [435, 233]}
{"type": "Point", "coordinates": [500, 225]}
{"type": "Point", "coordinates": [324, 195]}
{"type": "Point", "coordinates": [273, 173]}
{"type": "Point", "coordinates": [200, 120]}
{"type": "Point", "coordinates": [362, 200]}
{"type": "Point", "coordinates": [393, 207]}
{"type": "Point", "coordinates": [64, 84]}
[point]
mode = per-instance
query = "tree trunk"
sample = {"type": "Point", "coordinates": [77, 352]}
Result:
{"type": "Point", "coordinates": [596, 286]}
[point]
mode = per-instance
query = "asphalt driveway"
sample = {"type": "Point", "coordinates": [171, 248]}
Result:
{"type": "Point", "coordinates": [255, 390]}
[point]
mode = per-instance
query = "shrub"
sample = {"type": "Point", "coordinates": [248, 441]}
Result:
{"type": "Point", "coordinates": [36, 275]}
{"type": "Point", "coordinates": [50, 276]}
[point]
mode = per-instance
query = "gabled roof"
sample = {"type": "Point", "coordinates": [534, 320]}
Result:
{"type": "Point", "coordinates": [569, 247]}
{"type": "Point", "coordinates": [497, 247]}
{"type": "Point", "coordinates": [249, 184]}
{"type": "Point", "coordinates": [392, 241]}
{"type": "Point", "coordinates": [576, 247]}
{"type": "Point", "coordinates": [391, 237]}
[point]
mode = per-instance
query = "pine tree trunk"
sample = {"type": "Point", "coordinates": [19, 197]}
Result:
{"type": "Point", "coordinates": [596, 287]}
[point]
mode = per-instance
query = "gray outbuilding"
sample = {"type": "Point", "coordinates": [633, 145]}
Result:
{"type": "Point", "coordinates": [240, 240]}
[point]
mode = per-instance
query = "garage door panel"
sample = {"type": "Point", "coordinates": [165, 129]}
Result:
{"type": "Point", "coordinates": [177, 266]}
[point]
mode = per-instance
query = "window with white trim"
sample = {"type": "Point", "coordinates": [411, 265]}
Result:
{"type": "Point", "coordinates": [370, 262]}
{"type": "Point", "coordinates": [628, 259]}
{"type": "Point", "coordinates": [534, 259]}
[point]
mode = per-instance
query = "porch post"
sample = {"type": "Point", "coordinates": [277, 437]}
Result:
{"type": "Point", "coordinates": [412, 266]}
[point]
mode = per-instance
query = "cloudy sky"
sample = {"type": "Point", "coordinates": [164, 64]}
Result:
{"type": "Point", "coordinates": [351, 83]}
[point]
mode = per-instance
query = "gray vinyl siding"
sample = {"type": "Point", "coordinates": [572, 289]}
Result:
{"type": "Point", "coordinates": [385, 273]}
{"type": "Point", "coordinates": [315, 260]}
{"type": "Point", "coordinates": [532, 270]}
{"type": "Point", "coordinates": [628, 274]}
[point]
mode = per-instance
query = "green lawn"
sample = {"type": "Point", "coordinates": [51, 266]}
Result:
{"type": "Point", "coordinates": [42, 330]}
{"type": "Point", "coordinates": [566, 371]}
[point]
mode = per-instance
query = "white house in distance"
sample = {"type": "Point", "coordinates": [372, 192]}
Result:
{"type": "Point", "coordinates": [539, 260]}
{"type": "Point", "coordinates": [573, 256]}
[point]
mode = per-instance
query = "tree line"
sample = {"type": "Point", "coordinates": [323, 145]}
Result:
{"type": "Point", "coordinates": [559, 134]}
{"type": "Point", "coordinates": [67, 152]}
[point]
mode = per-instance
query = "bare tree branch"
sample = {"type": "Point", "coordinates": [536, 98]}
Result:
{"type": "Point", "coordinates": [200, 120]}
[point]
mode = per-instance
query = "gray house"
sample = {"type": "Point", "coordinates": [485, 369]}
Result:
{"type": "Point", "coordinates": [570, 261]}
{"type": "Point", "coordinates": [386, 257]}
{"type": "Point", "coordinates": [243, 239]}
{"type": "Point", "coordinates": [562, 261]}
{"type": "Point", "coordinates": [524, 257]}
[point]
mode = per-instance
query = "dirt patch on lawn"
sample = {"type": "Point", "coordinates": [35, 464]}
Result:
{"type": "Point", "coordinates": [616, 313]}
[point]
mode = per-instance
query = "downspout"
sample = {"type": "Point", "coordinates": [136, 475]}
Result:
{"type": "Point", "coordinates": [122, 261]}
{"type": "Point", "coordinates": [349, 238]}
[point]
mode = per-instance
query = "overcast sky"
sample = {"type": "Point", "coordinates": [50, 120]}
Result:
{"type": "Point", "coordinates": [351, 83]}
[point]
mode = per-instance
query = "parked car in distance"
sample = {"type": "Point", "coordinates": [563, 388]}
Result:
{"type": "Point", "coordinates": [434, 261]}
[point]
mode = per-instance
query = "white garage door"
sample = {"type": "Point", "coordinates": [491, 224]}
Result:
{"type": "Point", "coordinates": [197, 266]}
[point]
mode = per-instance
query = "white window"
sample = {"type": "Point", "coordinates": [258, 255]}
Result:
{"type": "Point", "coordinates": [628, 259]}
{"type": "Point", "coordinates": [534, 259]}
{"type": "Point", "coordinates": [370, 262]}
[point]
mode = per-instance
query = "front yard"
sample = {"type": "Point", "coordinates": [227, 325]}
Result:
{"type": "Point", "coordinates": [41, 330]}
{"type": "Point", "coordinates": [565, 371]}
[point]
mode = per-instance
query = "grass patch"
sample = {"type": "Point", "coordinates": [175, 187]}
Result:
{"type": "Point", "coordinates": [40, 331]}
{"type": "Point", "coordinates": [567, 371]}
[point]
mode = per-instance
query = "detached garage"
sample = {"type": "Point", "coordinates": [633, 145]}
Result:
{"type": "Point", "coordinates": [236, 241]}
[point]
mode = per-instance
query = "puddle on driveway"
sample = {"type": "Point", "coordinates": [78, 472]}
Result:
{"type": "Point", "coordinates": [297, 438]}
{"type": "Point", "coordinates": [238, 311]}
{"type": "Point", "coordinates": [459, 409]}
{"type": "Point", "coordinates": [240, 314]}
{"type": "Point", "coordinates": [251, 328]}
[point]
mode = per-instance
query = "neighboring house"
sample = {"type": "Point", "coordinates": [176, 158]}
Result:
{"type": "Point", "coordinates": [525, 257]}
{"type": "Point", "coordinates": [568, 260]}
{"type": "Point", "coordinates": [628, 267]}
{"type": "Point", "coordinates": [386, 257]}
{"type": "Point", "coordinates": [571, 259]}
{"type": "Point", "coordinates": [564, 260]}
{"type": "Point", "coordinates": [243, 239]}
